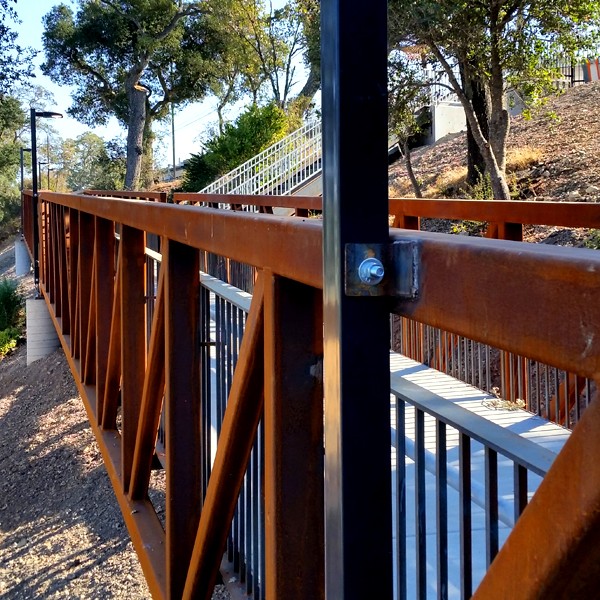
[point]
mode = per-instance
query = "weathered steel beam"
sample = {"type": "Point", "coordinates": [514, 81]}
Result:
{"type": "Point", "coordinates": [293, 425]}
{"type": "Point", "coordinates": [89, 367]}
{"type": "Point", "coordinates": [238, 431]}
{"type": "Point", "coordinates": [287, 246]}
{"type": "Point", "coordinates": [564, 214]}
{"type": "Point", "coordinates": [182, 409]}
{"type": "Point", "coordinates": [108, 417]}
{"type": "Point", "coordinates": [530, 299]}
{"type": "Point", "coordinates": [152, 400]}
{"type": "Point", "coordinates": [85, 270]}
{"type": "Point", "coordinates": [133, 338]}
{"type": "Point", "coordinates": [297, 202]}
{"type": "Point", "coordinates": [104, 274]}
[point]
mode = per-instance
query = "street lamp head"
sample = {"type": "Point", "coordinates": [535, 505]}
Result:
{"type": "Point", "coordinates": [47, 114]}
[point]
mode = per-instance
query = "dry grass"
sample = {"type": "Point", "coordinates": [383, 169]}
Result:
{"type": "Point", "coordinates": [518, 159]}
{"type": "Point", "coordinates": [452, 182]}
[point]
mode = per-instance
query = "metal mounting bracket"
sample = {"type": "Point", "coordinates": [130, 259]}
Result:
{"type": "Point", "coordinates": [383, 269]}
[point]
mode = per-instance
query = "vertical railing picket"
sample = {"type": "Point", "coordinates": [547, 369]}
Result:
{"type": "Point", "coordinates": [520, 489]}
{"type": "Point", "coordinates": [441, 510]}
{"type": "Point", "coordinates": [400, 499]}
{"type": "Point", "coordinates": [491, 504]}
{"type": "Point", "coordinates": [420, 506]}
{"type": "Point", "coordinates": [466, 544]}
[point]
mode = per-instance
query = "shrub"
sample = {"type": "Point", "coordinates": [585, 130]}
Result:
{"type": "Point", "coordinates": [11, 315]}
{"type": "Point", "coordinates": [253, 131]}
{"type": "Point", "coordinates": [593, 240]}
{"type": "Point", "coordinates": [8, 340]}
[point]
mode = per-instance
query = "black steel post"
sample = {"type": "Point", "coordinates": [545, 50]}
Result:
{"type": "Point", "coordinates": [358, 522]}
{"type": "Point", "coordinates": [34, 212]}
{"type": "Point", "coordinates": [22, 151]}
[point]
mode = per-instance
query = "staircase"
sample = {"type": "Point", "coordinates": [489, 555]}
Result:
{"type": "Point", "coordinates": [284, 168]}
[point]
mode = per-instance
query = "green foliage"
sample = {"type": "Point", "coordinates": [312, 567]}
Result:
{"type": "Point", "coordinates": [471, 228]}
{"type": "Point", "coordinates": [94, 163]}
{"type": "Point", "coordinates": [253, 131]}
{"type": "Point", "coordinates": [482, 190]}
{"type": "Point", "coordinates": [406, 95]}
{"type": "Point", "coordinates": [112, 52]}
{"type": "Point", "coordinates": [593, 240]}
{"type": "Point", "coordinates": [16, 62]}
{"type": "Point", "coordinates": [8, 340]}
{"type": "Point", "coordinates": [12, 120]}
{"type": "Point", "coordinates": [11, 315]}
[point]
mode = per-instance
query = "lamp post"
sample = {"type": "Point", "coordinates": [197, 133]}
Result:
{"type": "Point", "coordinates": [41, 163]}
{"type": "Point", "coordinates": [23, 150]}
{"type": "Point", "coordinates": [43, 114]}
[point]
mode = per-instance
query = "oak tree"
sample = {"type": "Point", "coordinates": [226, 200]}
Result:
{"type": "Point", "coordinates": [131, 59]}
{"type": "Point", "coordinates": [496, 43]}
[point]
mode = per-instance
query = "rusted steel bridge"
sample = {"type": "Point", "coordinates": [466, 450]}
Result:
{"type": "Point", "coordinates": [272, 415]}
{"type": "Point", "coordinates": [136, 333]}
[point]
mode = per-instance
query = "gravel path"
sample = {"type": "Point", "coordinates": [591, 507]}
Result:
{"type": "Point", "coordinates": [61, 531]}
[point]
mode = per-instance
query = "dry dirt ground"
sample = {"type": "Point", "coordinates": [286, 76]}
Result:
{"type": "Point", "coordinates": [61, 532]}
{"type": "Point", "coordinates": [563, 135]}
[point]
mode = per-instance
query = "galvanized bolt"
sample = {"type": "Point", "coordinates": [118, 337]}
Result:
{"type": "Point", "coordinates": [371, 271]}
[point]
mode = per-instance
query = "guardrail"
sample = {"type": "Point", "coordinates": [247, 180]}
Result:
{"type": "Point", "coordinates": [542, 388]}
{"type": "Point", "coordinates": [96, 292]}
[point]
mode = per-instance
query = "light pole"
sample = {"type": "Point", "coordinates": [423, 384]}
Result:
{"type": "Point", "coordinates": [23, 150]}
{"type": "Point", "coordinates": [43, 114]}
{"type": "Point", "coordinates": [41, 163]}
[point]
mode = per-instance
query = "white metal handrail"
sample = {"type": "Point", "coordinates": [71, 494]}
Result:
{"type": "Point", "coordinates": [278, 169]}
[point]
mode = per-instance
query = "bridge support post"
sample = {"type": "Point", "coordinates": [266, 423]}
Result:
{"type": "Point", "coordinates": [358, 522]}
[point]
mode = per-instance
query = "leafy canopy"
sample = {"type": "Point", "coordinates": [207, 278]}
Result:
{"type": "Point", "coordinates": [168, 49]}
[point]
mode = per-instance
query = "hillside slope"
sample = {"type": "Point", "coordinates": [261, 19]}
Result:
{"type": "Point", "coordinates": [563, 136]}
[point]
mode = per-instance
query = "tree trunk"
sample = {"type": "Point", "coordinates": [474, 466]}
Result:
{"type": "Point", "coordinates": [494, 168]}
{"type": "Point", "coordinates": [476, 92]}
{"type": "Point", "coordinates": [147, 170]}
{"type": "Point", "coordinates": [409, 170]}
{"type": "Point", "coordinates": [135, 134]}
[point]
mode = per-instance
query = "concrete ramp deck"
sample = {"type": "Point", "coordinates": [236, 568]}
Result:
{"type": "Point", "coordinates": [522, 432]}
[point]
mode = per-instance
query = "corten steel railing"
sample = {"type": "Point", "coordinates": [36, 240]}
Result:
{"type": "Point", "coordinates": [97, 298]}
{"type": "Point", "coordinates": [279, 169]}
{"type": "Point", "coordinates": [542, 389]}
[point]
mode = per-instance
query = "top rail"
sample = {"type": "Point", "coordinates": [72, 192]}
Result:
{"type": "Point", "coordinates": [463, 282]}
{"type": "Point", "coordinates": [132, 194]}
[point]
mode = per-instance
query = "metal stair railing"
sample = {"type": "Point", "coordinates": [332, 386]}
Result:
{"type": "Point", "coordinates": [277, 170]}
